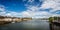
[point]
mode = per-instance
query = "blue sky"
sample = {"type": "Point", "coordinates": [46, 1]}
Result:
{"type": "Point", "coordinates": [13, 5]}
{"type": "Point", "coordinates": [30, 8]}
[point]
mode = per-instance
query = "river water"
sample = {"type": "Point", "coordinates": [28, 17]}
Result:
{"type": "Point", "coordinates": [27, 25]}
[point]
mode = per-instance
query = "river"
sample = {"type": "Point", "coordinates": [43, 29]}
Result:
{"type": "Point", "coordinates": [27, 25]}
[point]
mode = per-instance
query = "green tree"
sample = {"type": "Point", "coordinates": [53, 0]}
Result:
{"type": "Point", "coordinates": [51, 19]}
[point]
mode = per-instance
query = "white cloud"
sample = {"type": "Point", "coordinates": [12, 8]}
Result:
{"type": "Point", "coordinates": [30, 1]}
{"type": "Point", "coordinates": [2, 8]}
{"type": "Point", "coordinates": [33, 11]}
{"type": "Point", "coordinates": [2, 13]}
{"type": "Point", "coordinates": [58, 15]}
{"type": "Point", "coordinates": [54, 4]}
{"type": "Point", "coordinates": [25, 14]}
{"type": "Point", "coordinates": [13, 14]}
{"type": "Point", "coordinates": [33, 8]}
{"type": "Point", "coordinates": [42, 14]}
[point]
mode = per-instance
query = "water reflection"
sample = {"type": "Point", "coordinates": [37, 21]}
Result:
{"type": "Point", "coordinates": [36, 24]}
{"type": "Point", "coordinates": [54, 27]}
{"type": "Point", "coordinates": [30, 25]}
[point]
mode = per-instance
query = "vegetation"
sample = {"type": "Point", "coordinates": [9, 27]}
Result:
{"type": "Point", "coordinates": [53, 18]}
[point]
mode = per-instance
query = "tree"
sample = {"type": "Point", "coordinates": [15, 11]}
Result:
{"type": "Point", "coordinates": [51, 19]}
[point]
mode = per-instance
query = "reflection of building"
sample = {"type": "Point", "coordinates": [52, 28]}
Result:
{"type": "Point", "coordinates": [27, 19]}
{"type": "Point", "coordinates": [54, 27]}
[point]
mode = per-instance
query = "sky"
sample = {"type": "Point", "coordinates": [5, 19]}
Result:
{"type": "Point", "coordinates": [30, 8]}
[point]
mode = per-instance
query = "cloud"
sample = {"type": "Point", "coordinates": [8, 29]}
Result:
{"type": "Point", "coordinates": [2, 8]}
{"type": "Point", "coordinates": [38, 14]}
{"type": "Point", "coordinates": [34, 11]}
{"type": "Point", "coordinates": [54, 4]}
{"type": "Point", "coordinates": [33, 8]}
{"type": "Point", "coordinates": [30, 1]}
{"type": "Point", "coordinates": [58, 15]}
{"type": "Point", "coordinates": [2, 13]}
{"type": "Point", "coordinates": [12, 14]}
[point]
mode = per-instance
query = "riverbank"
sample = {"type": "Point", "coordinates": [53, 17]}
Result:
{"type": "Point", "coordinates": [4, 22]}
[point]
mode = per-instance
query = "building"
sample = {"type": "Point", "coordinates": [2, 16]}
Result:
{"type": "Point", "coordinates": [7, 19]}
